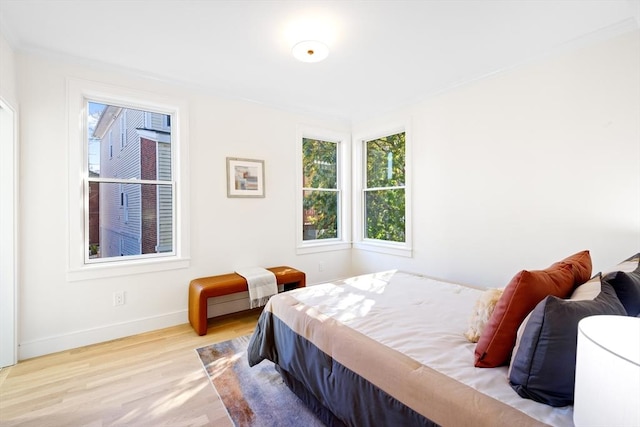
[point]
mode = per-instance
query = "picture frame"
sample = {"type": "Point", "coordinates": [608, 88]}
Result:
{"type": "Point", "coordinates": [245, 177]}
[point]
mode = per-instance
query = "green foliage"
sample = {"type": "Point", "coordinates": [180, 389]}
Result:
{"type": "Point", "coordinates": [320, 205]}
{"type": "Point", "coordinates": [385, 196]}
{"type": "Point", "coordinates": [321, 215]}
{"type": "Point", "coordinates": [384, 215]}
{"type": "Point", "coordinates": [320, 168]}
{"type": "Point", "coordinates": [384, 193]}
{"type": "Point", "coordinates": [385, 161]}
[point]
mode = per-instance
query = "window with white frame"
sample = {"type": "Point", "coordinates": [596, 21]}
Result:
{"type": "Point", "coordinates": [383, 221]}
{"type": "Point", "coordinates": [133, 187]}
{"type": "Point", "coordinates": [129, 201]}
{"type": "Point", "coordinates": [323, 223]}
{"type": "Point", "coordinates": [383, 193]}
{"type": "Point", "coordinates": [154, 121]}
{"type": "Point", "coordinates": [320, 192]}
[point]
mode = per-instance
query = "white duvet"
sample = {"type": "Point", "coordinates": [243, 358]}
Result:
{"type": "Point", "coordinates": [424, 319]}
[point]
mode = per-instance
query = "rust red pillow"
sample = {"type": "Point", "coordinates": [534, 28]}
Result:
{"type": "Point", "coordinates": [522, 294]}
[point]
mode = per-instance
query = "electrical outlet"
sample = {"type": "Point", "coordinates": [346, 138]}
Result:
{"type": "Point", "coordinates": [118, 298]}
{"type": "Point", "coordinates": [321, 266]}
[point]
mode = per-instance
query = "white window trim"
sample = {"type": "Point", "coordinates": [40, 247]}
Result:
{"type": "Point", "coordinates": [10, 222]}
{"type": "Point", "coordinates": [359, 241]}
{"type": "Point", "coordinates": [344, 184]}
{"type": "Point", "coordinates": [78, 92]}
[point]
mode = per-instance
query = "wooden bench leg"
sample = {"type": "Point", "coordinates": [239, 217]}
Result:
{"type": "Point", "coordinates": [198, 311]}
{"type": "Point", "coordinates": [202, 316]}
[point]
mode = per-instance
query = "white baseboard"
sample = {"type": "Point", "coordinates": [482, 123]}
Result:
{"type": "Point", "coordinates": [216, 307]}
{"type": "Point", "coordinates": [54, 344]}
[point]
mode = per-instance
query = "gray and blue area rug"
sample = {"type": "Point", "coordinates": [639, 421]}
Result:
{"type": "Point", "coordinates": [253, 397]}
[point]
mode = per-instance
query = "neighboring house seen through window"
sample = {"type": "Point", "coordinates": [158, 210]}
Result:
{"type": "Point", "coordinates": [132, 191]}
{"type": "Point", "coordinates": [128, 179]}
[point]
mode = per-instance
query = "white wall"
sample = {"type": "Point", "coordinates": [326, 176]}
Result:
{"type": "Point", "coordinates": [511, 172]}
{"type": "Point", "coordinates": [8, 85]}
{"type": "Point", "coordinates": [524, 168]}
{"type": "Point", "coordinates": [56, 314]}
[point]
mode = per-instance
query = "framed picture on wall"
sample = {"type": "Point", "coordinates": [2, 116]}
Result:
{"type": "Point", "coordinates": [245, 177]}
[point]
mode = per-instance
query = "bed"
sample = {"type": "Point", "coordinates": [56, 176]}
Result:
{"type": "Point", "coordinates": [387, 349]}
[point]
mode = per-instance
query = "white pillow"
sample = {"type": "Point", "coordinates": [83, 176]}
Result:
{"type": "Point", "coordinates": [482, 313]}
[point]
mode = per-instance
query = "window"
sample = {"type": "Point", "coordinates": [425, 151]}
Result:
{"type": "Point", "coordinates": [323, 182]}
{"type": "Point", "coordinates": [320, 189]}
{"type": "Point", "coordinates": [382, 222]}
{"type": "Point", "coordinates": [132, 188]}
{"type": "Point", "coordinates": [129, 212]}
{"type": "Point", "coordinates": [156, 121]}
{"type": "Point", "coordinates": [384, 195]}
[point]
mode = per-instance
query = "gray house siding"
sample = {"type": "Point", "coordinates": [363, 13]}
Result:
{"type": "Point", "coordinates": [124, 230]}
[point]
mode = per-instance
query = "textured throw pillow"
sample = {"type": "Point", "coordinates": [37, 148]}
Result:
{"type": "Point", "coordinates": [628, 265]}
{"type": "Point", "coordinates": [521, 295]}
{"type": "Point", "coordinates": [627, 287]}
{"type": "Point", "coordinates": [544, 360]}
{"type": "Point", "coordinates": [482, 312]}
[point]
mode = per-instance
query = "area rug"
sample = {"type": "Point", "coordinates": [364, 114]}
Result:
{"type": "Point", "coordinates": [254, 396]}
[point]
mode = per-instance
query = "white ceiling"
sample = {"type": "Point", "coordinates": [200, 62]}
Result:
{"type": "Point", "coordinates": [383, 54]}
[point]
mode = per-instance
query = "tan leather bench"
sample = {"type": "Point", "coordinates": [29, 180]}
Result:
{"type": "Point", "coordinates": [214, 286]}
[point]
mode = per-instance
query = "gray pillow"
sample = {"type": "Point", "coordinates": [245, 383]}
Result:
{"type": "Point", "coordinates": [544, 360]}
{"type": "Point", "coordinates": [627, 286]}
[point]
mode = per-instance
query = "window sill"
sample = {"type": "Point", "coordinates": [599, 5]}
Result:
{"type": "Point", "coordinates": [384, 248]}
{"type": "Point", "coordinates": [311, 248]}
{"type": "Point", "coordinates": [124, 268]}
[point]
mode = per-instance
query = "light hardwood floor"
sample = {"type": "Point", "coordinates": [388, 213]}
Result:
{"type": "Point", "coordinates": [152, 379]}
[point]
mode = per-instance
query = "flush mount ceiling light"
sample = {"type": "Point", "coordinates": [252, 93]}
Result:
{"type": "Point", "coordinates": [310, 51]}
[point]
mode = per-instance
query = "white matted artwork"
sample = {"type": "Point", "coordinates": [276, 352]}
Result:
{"type": "Point", "coordinates": [245, 177]}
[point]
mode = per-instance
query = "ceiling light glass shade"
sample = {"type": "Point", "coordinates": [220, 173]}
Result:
{"type": "Point", "coordinates": [310, 51]}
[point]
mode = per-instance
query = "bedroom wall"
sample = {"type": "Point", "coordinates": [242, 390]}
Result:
{"type": "Point", "coordinates": [8, 85]}
{"type": "Point", "coordinates": [57, 314]}
{"type": "Point", "coordinates": [521, 169]}
{"type": "Point", "coordinates": [513, 171]}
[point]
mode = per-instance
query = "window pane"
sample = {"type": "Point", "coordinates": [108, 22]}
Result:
{"type": "Point", "coordinates": [128, 143]}
{"type": "Point", "coordinates": [384, 215]}
{"type": "Point", "coordinates": [319, 163]}
{"type": "Point", "coordinates": [320, 215]}
{"type": "Point", "coordinates": [129, 219]}
{"type": "Point", "coordinates": [385, 161]}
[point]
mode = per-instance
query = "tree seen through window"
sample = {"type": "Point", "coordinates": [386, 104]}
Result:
{"type": "Point", "coordinates": [320, 189]}
{"type": "Point", "coordinates": [384, 192]}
